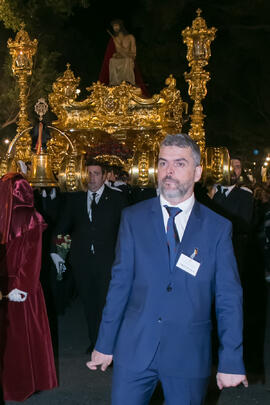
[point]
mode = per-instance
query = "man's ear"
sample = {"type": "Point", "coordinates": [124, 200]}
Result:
{"type": "Point", "coordinates": [198, 173]}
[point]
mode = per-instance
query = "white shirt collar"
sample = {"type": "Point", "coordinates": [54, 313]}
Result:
{"type": "Point", "coordinates": [228, 189]}
{"type": "Point", "coordinates": [186, 206]}
{"type": "Point", "coordinates": [98, 192]}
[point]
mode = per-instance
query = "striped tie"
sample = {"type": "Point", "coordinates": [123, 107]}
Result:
{"type": "Point", "coordinates": [172, 234]}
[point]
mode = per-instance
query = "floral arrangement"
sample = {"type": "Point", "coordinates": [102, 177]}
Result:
{"type": "Point", "coordinates": [63, 243]}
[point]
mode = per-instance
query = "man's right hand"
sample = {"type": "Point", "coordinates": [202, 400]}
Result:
{"type": "Point", "coordinates": [99, 359]}
{"type": "Point", "coordinates": [58, 262]}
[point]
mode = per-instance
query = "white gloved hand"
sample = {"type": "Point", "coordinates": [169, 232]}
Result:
{"type": "Point", "coordinates": [22, 166]}
{"type": "Point", "coordinates": [17, 295]}
{"type": "Point", "coordinates": [59, 262]}
{"type": "Point", "coordinates": [53, 194]}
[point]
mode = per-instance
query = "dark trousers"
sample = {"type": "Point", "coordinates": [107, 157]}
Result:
{"type": "Point", "coordinates": [136, 388]}
{"type": "Point", "coordinates": [92, 282]}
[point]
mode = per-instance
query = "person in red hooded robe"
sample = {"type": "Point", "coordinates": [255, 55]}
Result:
{"type": "Point", "coordinates": [27, 360]}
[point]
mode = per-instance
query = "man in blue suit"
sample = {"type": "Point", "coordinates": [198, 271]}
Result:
{"type": "Point", "coordinates": [174, 259]}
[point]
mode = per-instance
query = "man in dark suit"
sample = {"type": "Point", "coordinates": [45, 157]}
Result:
{"type": "Point", "coordinates": [92, 220]}
{"type": "Point", "coordinates": [235, 202]}
{"type": "Point", "coordinates": [237, 205]}
{"type": "Point", "coordinates": [174, 258]}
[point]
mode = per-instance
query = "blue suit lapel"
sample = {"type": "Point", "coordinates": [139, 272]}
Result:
{"type": "Point", "coordinates": [159, 235]}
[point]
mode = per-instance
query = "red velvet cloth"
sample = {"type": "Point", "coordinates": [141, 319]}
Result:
{"type": "Point", "coordinates": [27, 361]}
{"type": "Point", "coordinates": [104, 76]}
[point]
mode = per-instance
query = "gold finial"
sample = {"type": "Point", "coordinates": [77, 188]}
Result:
{"type": "Point", "coordinates": [199, 11]}
{"type": "Point", "coordinates": [170, 81]}
{"type": "Point", "coordinates": [68, 65]}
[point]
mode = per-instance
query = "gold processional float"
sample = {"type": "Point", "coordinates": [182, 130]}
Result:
{"type": "Point", "coordinates": [114, 123]}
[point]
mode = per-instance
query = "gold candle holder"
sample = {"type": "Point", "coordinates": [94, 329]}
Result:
{"type": "Point", "coordinates": [198, 39]}
{"type": "Point", "coordinates": [22, 50]}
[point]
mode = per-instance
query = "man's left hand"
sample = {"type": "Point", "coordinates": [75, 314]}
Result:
{"type": "Point", "coordinates": [99, 359]}
{"type": "Point", "coordinates": [231, 380]}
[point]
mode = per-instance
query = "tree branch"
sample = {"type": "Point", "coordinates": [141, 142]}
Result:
{"type": "Point", "coordinates": [9, 122]}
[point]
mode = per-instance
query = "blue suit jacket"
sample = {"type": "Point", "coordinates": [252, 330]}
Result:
{"type": "Point", "coordinates": [141, 314]}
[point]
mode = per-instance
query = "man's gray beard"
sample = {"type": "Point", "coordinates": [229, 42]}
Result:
{"type": "Point", "coordinates": [178, 193]}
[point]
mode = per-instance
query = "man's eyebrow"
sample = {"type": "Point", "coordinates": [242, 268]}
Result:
{"type": "Point", "coordinates": [175, 160]}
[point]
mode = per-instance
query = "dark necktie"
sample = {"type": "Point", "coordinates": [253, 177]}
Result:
{"type": "Point", "coordinates": [220, 195]}
{"type": "Point", "coordinates": [172, 234]}
{"type": "Point", "coordinates": [93, 205]}
{"type": "Point", "coordinates": [224, 192]}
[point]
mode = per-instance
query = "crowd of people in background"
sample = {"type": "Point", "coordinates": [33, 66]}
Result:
{"type": "Point", "coordinates": [246, 203]}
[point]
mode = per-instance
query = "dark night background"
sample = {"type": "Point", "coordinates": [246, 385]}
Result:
{"type": "Point", "coordinates": [237, 103]}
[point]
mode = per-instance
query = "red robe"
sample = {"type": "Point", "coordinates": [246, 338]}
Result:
{"type": "Point", "coordinates": [104, 76]}
{"type": "Point", "coordinates": [27, 361]}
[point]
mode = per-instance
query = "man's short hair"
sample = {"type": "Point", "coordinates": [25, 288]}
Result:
{"type": "Point", "coordinates": [96, 162]}
{"type": "Point", "coordinates": [183, 141]}
{"type": "Point", "coordinates": [236, 157]}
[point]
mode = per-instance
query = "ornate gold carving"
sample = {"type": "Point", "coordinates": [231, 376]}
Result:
{"type": "Point", "coordinates": [22, 50]}
{"type": "Point", "coordinates": [198, 39]}
{"type": "Point", "coordinates": [72, 175]}
{"type": "Point", "coordinates": [217, 164]}
{"type": "Point", "coordinates": [63, 89]}
{"type": "Point", "coordinates": [41, 108]}
{"type": "Point", "coordinates": [118, 112]}
{"type": "Point", "coordinates": [115, 109]}
{"type": "Point", "coordinates": [3, 166]}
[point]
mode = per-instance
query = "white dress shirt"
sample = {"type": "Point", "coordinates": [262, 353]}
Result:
{"type": "Point", "coordinates": [90, 199]}
{"type": "Point", "coordinates": [182, 218]}
{"type": "Point", "coordinates": [230, 188]}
